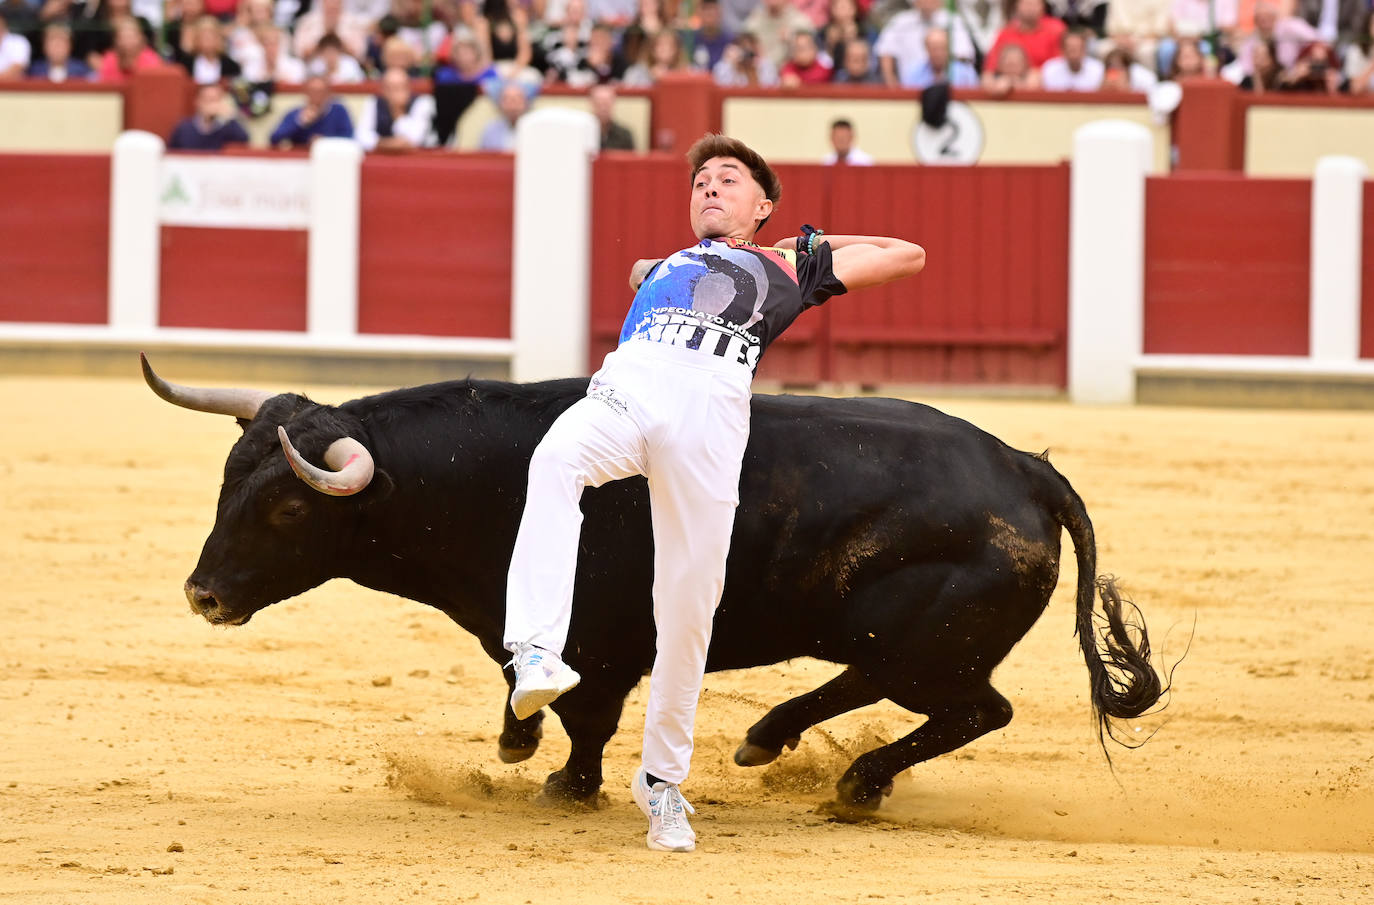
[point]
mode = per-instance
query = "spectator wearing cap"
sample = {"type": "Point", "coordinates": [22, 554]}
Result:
{"type": "Point", "coordinates": [211, 127]}
{"type": "Point", "coordinates": [57, 64]}
{"type": "Point", "coordinates": [804, 65]}
{"type": "Point", "coordinates": [710, 38]}
{"type": "Point", "coordinates": [319, 117]}
{"type": "Point", "coordinates": [856, 65]}
{"type": "Point", "coordinates": [901, 45]}
{"type": "Point", "coordinates": [614, 136]}
{"type": "Point", "coordinates": [397, 119]}
{"type": "Point", "coordinates": [1073, 69]}
{"type": "Point", "coordinates": [1030, 29]}
{"type": "Point", "coordinates": [15, 52]}
{"type": "Point", "coordinates": [939, 67]}
{"type": "Point", "coordinates": [773, 23]}
{"type": "Point", "coordinates": [129, 54]}
{"type": "Point", "coordinates": [207, 62]}
{"type": "Point", "coordinates": [843, 150]}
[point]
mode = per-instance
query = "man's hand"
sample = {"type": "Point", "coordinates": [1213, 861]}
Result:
{"type": "Point", "coordinates": [641, 270]}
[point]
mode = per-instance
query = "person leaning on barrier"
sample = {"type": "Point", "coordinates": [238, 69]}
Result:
{"type": "Point", "coordinates": [57, 64]}
{"type": "Point", "coordinates": [397, 119]}
{"type": "Point", "coordinates": [211, 127]}
{"type": "Point", "coordinates": [319, 117]}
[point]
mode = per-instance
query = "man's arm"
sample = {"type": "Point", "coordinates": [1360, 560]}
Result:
{"type": "Point", "coordinates": [863, 261]}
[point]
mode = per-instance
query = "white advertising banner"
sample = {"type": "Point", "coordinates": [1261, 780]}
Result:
{"type": "Point", "coordinates": [231, 193]}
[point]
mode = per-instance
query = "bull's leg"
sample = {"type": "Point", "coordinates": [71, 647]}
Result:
{"type": "Point", "coordinates": [974, 713]}
{"type": "Point", "coordinates": [785, 723]}
{"type": "Point", "coordinates": [519, 738]}
{"type": "Point", "coordinates": [590, 715]}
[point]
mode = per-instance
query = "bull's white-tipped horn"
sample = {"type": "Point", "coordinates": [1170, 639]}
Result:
{"type": "Point", "coordinates": [351, 463]}
{"type": "Point", "coordinates": [239, 403]}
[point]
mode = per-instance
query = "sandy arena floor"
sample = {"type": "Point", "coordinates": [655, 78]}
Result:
{"type": "Point", "coordinates": [147, 757]}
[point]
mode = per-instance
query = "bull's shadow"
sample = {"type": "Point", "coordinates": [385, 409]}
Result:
{"type": "Point", "coordinates": [884, 535]}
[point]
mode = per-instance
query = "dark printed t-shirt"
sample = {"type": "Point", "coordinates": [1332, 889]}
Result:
{"type": "Point", "coordinates": [728, 298]}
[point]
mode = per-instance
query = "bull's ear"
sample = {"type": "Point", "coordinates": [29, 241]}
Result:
{"type": "Point", "coordinates": [378, 489]}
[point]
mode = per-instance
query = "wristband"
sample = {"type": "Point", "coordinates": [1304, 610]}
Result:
{"type": "Point", "coordinates": [806, 242]}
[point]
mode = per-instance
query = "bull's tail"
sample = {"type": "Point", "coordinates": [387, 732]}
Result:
{"type": "Point", "coordinates": [1116, 646]}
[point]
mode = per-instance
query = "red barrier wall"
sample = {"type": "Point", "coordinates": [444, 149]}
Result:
{"type": "Point", "coordinates": [1227, 262]}
{"type": "Point", "coordinates": [436, 237]}
{"type": "Point", "coordinates": [235, 279]}
{"type": "Point", "coordinates": [991, 306]}
{"type": "Point", "coordinates": [55, 237]}
{"type": "Point", "coordinates": [1367, 282]}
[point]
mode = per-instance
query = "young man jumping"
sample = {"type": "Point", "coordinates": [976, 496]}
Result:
{"type": "Point", "coordinates": [672, 403]}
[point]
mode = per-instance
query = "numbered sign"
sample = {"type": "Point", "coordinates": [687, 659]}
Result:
{"type": "Point", "coordinates": [958, 142]}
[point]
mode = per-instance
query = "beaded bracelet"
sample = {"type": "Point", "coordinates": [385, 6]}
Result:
{"type": "Point", "coordinates": [806, 242]}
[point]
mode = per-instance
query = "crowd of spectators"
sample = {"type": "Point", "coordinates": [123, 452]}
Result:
{"type": "Point", "coordinates": [510, 49]}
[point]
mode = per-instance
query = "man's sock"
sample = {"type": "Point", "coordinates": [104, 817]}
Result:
{"type": "Point", "coordinates": [651, 779]}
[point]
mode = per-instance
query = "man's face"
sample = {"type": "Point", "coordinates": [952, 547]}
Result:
{"type": "Point", "coordinates": [512, 102]}
{"type": "Point", "coordinates": [803, 49]}
{"type": "Point", "coordinates": [210, 102]}
{"type": "Point", "coordinates": [316, 92]}
{"type": "Point", "coordinates": [57, 46]}
{"type": "Point", "coordinates": [1266, 17]}
{"type": "Point", "coordinates": [128, 38]}
{"type": "Point", "coordinates": [396, 87]}
{"type": "Point", "coordinates": [208, 40]}
{"type": "Point", "coordinates": [1029, 12]}
{"type": "Point", "coordinates": [710, 16]}
{"type": "Point", "coordinates": [841, 139]}
{"type": "Point", "coordinates": [937, 46]}
{"type": "Point", "coordinates": [726, 201]}
{"type": "Point", "coordinates": [1075, 49]}
{"type": "Point", "coordinates": [603, 101]}
{"type": "Point", "coordinates": [856, 58]}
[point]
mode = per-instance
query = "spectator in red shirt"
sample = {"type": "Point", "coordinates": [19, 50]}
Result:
{"type": "Point", "coordinates": [803, 66]}
{"type": "Point", "coordinates": [1031, 30]}
{"type": "Point", "coordinates": [130, 53]}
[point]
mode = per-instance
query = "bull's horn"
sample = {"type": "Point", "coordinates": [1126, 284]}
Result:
{"type": "Point", "coordinates": [352, 464]}
{"type": "Point", "coordinates": [239, 403]}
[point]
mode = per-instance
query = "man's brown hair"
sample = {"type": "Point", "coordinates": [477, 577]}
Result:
{"type": "Point", "coordinates": [714, 145]}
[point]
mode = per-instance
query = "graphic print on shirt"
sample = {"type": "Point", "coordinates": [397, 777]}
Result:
{"type": "Point", "coordinates": [726, 298]}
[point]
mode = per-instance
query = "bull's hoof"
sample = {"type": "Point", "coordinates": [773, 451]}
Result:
{"type": "Point", "coordinates": [513, 747]}
{"type": "Point", "coordinates": [559, 792]}
{"type": "Point", "coordinates": [860, 797]}
{"type": "Point", "coordinates": [752, 755]}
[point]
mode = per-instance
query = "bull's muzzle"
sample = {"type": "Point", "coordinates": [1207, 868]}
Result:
{"type": "Point", "coordinates": [206, 605]}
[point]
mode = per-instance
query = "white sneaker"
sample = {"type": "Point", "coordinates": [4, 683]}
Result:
{"type": "Point", "coordinates": [540, 677]}
{"type": "Point", "coordinates": [667, 811]}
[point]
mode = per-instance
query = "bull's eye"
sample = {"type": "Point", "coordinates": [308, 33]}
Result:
{"type": "Point", "coordinates": [289, 512]}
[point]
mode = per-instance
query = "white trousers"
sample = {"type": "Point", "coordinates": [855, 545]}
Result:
{"type": "Point", "coordinates": [680, 417]}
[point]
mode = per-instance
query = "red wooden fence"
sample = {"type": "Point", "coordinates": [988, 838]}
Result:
{"type": "Point", "coordinates": [55, 238]}
{"type": "Point", "coordinates": [1367, 281]}
{"type": "Point", "coordinates": [991, 306]}
{"type": "Point", "coordinates": [435, 245]}
{"type": "Point", "coordinates": [1227, 264]}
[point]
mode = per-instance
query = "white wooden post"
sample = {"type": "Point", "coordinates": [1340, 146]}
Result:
{"type": "Point", "coordinates": [135, 235]}
{"type": "Point", "coordinates": [1337, 235]}
{"type": "Point", "coordinates": [551, 270]}
{"type": "Point", "coordinates": [1107, 259]}
{"type": "Point", "coordinates": [332, 269]}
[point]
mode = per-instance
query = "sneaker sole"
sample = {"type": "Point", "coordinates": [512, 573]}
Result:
{"type": "Point", "coordinates": [530, 702]}
{"type": "Point", "coordinates": [657, 847]}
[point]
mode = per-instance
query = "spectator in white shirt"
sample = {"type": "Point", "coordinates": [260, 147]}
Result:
{"type": "Point", "coordinates": [1073, 69]}
{"type": "Point", "coordinates": [901, 45]}
{"type": "Point", "coordinates": [15, 53]}
{"type": "Point", "coordinates": [843, 149]}
{"type": "Point", "coordinates": [336, 66]}
{"type": "Point", "coordinates": [396, 119]}
{"type": "Point", "coordinates": [271, 60]}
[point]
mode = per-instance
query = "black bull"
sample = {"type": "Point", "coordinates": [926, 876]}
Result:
{"type": "Point", "coordinates": [885, 535]}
